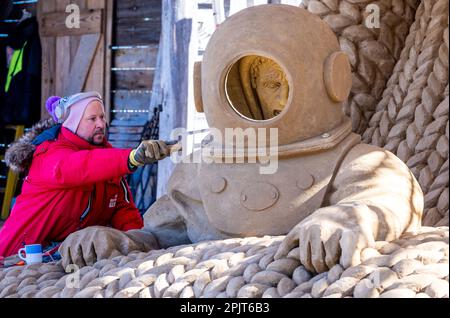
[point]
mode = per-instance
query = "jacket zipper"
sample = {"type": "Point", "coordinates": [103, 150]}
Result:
{"type": "Point", "coordinates": [88, 208]}
{"type": "Point", "coordinates": [124, 188]}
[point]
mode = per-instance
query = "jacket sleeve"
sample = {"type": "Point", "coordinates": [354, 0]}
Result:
{"type": "Point", "coordinates": [126, 216]}
{"type": "Point", "coordinates": [67, 168]}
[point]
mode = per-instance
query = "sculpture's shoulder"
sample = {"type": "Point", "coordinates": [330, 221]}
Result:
{"type": "Point", "coordinates": [366, 156]}
{"type": "Point", "coordinates": [371, 166]}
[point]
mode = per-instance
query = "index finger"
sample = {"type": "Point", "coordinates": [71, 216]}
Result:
{"type": "Point", "coordinates": [289, 242]}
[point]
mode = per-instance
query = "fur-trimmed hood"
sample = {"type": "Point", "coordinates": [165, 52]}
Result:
{"type": "Point", "coordinates": [19, 155]}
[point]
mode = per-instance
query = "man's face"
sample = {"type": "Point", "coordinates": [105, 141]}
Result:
{"type": "Point", "coordinates": [92, 127]}
{"type": "Point", "coordinates": [272, 89]}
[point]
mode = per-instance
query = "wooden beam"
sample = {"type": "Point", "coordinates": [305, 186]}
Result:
{"type": "Point", "coordinates": [125, 130]}
{"type": "Point", "coordinates": [176, 61]}
{"type": "Point", "coordinates": [81, 63]}
{"type": "Point", "coordinates": [48, 56]}
{"type": "Point", "coordinates": [62, 62]}
{"type": "Point", "coordinates": [124, 144]}
{"type": "Point", "coordinates": [54, 24]}
{"type": "Point", "coordinates": [133, 80]}
{"type": "Point", "coordinates": [96, 75]}
{"type": "Point", "coordinates": [108, 57]}
{"type": "Point", "coordinates": [96, 4]}
{"type": "Point", "coordinates": [124, 137]}
{"type": "Point", "coordinates": [123, 99]}
{"type": "Point", "coordinates": [130, 31]}
{"type": "Point", "coordinates": [62, 67]}
{"type": "Point", "coordinates": [136, 57]}
{"type": "Point", "coordinates": [128, 123]}
{"type": "Point", "coordinates": [138, 8]}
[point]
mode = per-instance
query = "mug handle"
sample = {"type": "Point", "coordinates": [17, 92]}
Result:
{"type": "Point", "coordinates": [20, 254]}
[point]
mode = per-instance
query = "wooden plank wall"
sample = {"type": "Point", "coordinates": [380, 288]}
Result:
{"type": "Point", "coordinates": [136, 32]}
{"type": "Point", "coordinates": [61, 71]}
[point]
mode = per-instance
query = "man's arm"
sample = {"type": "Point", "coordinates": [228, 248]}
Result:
{"type": "Point", "coordinates": [65, 168]}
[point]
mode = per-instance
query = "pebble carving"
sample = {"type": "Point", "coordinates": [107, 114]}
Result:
{"type": "Point", "coordinates": [164, 273]}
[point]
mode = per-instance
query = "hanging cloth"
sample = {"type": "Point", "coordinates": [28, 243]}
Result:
{"type": "Point", "coordinates": [15, 66]}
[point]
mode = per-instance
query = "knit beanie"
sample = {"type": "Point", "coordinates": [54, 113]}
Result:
{"type": "Point", "coordinates": [69, 110]}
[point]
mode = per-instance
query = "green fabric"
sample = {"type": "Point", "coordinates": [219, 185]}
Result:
{"type": "Point", "coordinates": [15, 66]}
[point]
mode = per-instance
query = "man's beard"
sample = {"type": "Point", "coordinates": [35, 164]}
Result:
{"type": "Point", "coordinates": [97, 143]}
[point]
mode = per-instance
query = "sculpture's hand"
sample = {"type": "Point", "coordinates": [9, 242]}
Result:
{"type": "Point", "coordinates": [87, 246]}
{"type": "Point", "coordinates": [331, 235]}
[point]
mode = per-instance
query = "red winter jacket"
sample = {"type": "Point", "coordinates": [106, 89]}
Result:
{"type": "Point", "coordinates": [71, 185]}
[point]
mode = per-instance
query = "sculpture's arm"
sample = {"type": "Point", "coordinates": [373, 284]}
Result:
{"type": "Point", "coordinates": [94, 243]}
{"type": "Point", "coordinates": [165, 223]}
{"type": "Point", "coordinates": [163, 227]}
{"type": "Point", "coordinates": [373, 196]}
{"type": "Point", "coordinates": [174, 218]}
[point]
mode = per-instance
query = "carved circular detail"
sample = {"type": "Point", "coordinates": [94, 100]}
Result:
{"type": "Point", "coordinates": [218, 184]}
{"type": "Point", "coordinates": [305, 182]}
{"type": "Point", "coordinates": [337, 75]}
{"type": "Point", "coordinates": [259, 196]}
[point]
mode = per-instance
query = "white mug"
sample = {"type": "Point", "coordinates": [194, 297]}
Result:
{"type": "Point", "coordinates": [33, 254]}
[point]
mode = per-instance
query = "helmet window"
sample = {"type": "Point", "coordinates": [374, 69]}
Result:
{"type": "Point", "coordinates": [257, 87]}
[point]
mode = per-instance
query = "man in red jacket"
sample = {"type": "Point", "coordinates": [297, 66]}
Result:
{"type": "Point", "coordinates": [76, 179]}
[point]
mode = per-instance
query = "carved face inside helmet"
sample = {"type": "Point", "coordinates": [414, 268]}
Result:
{"type": "Point", "coordinates": [271, 86]}
{"type": "Point", "coordinates": [257, 88]}
{"type": "Point", "coordinates": [288, 74]}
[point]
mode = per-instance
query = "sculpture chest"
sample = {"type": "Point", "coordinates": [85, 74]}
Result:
{"type": "Point", "coordinates": [238, 200]}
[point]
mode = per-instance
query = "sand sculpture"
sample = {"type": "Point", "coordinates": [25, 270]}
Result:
{"type": "Point", "coordinates": [328, 187]}
{"type": "Point", "coordinates": [265, 263]}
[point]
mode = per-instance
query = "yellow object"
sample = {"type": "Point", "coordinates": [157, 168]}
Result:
{"type": "Point", "coordinates": [132, 160]}
{"type": "Point", "coordinates": [15, 66]}
{"type": "Point", "coordinates": [11, 180]}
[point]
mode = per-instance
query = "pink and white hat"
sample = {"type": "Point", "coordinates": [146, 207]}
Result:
{"type": "Point", "coordinates": [69, 110]}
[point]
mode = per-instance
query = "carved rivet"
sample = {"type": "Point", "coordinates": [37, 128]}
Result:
{"type": "Point", "coordinates": [274, 195]}
{"type": "Point", "coordinates": [218, 184]}
{"type": "Point", "coordinates": [244, 197]}
{"type": "Point", "coordinates": [325, 135]}
{"type": "Point", "coordinates": [305, 182]}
